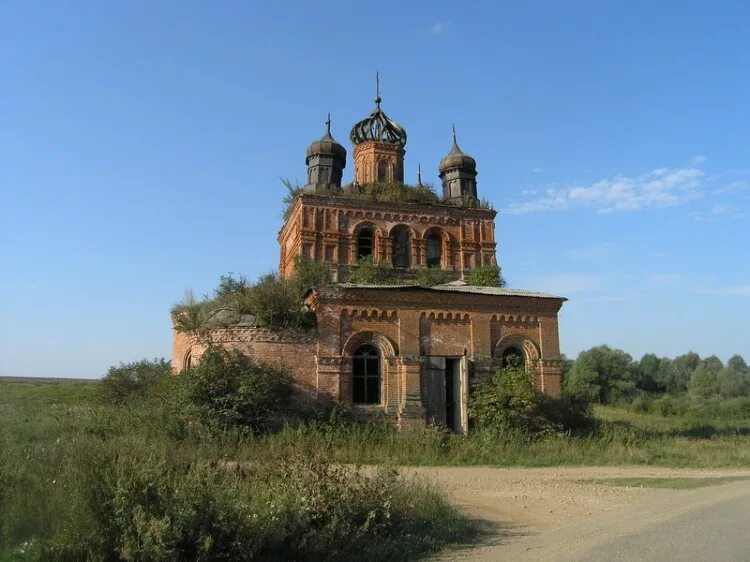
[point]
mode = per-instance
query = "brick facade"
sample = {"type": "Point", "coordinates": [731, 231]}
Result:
{"type": "Point", "coordinates": [327, 229]}
{"type": "Point", "coordinates": [412, 352]}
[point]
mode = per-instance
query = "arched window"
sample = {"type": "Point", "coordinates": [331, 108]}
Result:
{"type": "Point", "coordinates": [434, 249]}
{"type": "Point", "coordinates": [365, 243]}
{"type": "Point", "coordinates": [188, 363]}
{"type": "Point", "coordinates": [401, 244]}
{"type": "Point", "coordinates": [366, 375]}
{"type": "Point", "coordinates": [513, 357]}
{"type": "Point", "coordinates": [382, 171]}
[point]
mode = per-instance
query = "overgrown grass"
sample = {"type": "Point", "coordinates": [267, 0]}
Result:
{"type": "Point", "coordinates": [65, 456]}
{"type": "Point", "coordinates": [82, 479]}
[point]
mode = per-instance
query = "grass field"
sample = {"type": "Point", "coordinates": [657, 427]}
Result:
{"type": "Point", "coordinates": [64, 453]}
{"type": "Point", "coordinates": [39, 412]}
{"type": "Point", "coordinates": [83, 480]}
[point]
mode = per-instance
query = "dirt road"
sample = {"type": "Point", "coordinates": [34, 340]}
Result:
{"type": "Point", "coordinates": [565, 514]}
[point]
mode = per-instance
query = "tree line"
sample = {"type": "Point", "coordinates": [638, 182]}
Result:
{"type": "Point", "coordinates": [685, 384]}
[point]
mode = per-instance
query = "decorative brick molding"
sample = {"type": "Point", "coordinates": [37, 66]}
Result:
{"type": "Point", "coordinates": [250, 334]}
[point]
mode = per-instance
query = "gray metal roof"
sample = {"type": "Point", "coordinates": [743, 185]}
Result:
{"type": "Point", "coordinates": [455, 288]}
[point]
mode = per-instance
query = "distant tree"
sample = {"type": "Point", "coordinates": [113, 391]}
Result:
{"type": "Point", "coordinates": [682, 371]}
{"type": "Point", "coordinates": [704, 382]}
{"type": "Point", "coordinates": [732, 383]}
{"type": "Point", "coordinates": [603, 375]}
{"type": "Point", "coordinates": [737, 363]}
{"type": "Point", "coordinates": [713, 363]}
{"type": "Point", "coordinates": [648, 373]}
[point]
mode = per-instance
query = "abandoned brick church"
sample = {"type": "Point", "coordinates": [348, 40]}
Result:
{"type": "Point", "coordinates": [409, 350]}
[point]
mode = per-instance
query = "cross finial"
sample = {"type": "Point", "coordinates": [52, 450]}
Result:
{"type": "Point", "coordinates": [453, 126]}
{"type": "Point", "coordinates": [328, 123]}
{"type": "Point", "coordinates": [377, 88]}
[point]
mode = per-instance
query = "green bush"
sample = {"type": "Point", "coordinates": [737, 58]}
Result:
{"type": "Point", "coordinates": [367, 271]}
{"type": "Point", "coordinates": [229, 390]}
{"type": "Point", "coordinates": [132, 498]}
{"type": "Point", "coordinates": [429, 276]}
{"type": "Point", "coordinates": [486, 276]}
{"type": "Point", "coordinates": [508, 402]}
{"type": "Point", "coordinates": [135, 381]}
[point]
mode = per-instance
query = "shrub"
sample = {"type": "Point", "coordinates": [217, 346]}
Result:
{"type": "Point", "coordinates": [486, 276]}
{"type": "Point", "coordinates": [508, 402]}
{"type": "Point", "coordinates": [130, 382]}
{"type": "Point", "coordinates": [131, 498]}
{"type": "Point", "coordinates": [229, 390]}
{"type": "Point", "coordinates": [368, 271]}
{"type": "Point", "coordinates": [309, 274]}
{"type": "Point", "coordinates": [393, 192]}
{"type": "Point", "coordinates": [429, 276]}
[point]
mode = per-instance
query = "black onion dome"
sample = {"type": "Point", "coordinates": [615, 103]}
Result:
{"type": "Point", "coordinates": [457, 159]}
{"type": "Point", "coordinates": [378, 127]}
{"type": "Point", "coordinates": [327, 145]}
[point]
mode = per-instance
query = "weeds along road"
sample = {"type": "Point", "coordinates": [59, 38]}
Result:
{"type": "Point", "coordinates": [567, 514]}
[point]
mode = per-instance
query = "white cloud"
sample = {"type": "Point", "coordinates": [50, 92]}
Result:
{"type": "Point", "coordinates": [733, 187]}
{"type": "Point", "coordinates": [731, 291]}
{"type": "Point", "coordinates": [662, 187]}
{"type": "Point", "coordinates": [439, 27]}
{"type": "Point", "coordinates": [698, 160]}
{"type": "Point", "coordinates": [537, 170]}
{"type": "Point", "coordinates": [720, 211]}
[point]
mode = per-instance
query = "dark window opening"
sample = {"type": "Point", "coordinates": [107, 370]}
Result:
{"type": "Point", "coordinates": [382, 171]}
{"type": "Point", "coordinates": [401, 243]}
{"type": "Point", "coordinates": [513, 357]}
{"type": "Point", "coordinates": [366, 375]}
{"type": "Point", "coordinates": [451, 370]}
{"type": "Point", "coordinates": [364, 244]}
{"type": "Point", "coordinates": [434, 250]}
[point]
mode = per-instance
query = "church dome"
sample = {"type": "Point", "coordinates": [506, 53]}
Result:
{"type": "Point", "coordinates": [457, 159]}
{"type": "Point", "coordinates": [327, 145]}
{"type": "Point", "coordinates": [378, 127]}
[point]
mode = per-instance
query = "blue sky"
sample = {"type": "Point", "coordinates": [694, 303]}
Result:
{"type": "Point", "coordinates": [141, 146]}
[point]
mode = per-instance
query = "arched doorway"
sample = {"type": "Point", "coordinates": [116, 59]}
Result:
{"type": "Point", "coordinates": [366, 375]}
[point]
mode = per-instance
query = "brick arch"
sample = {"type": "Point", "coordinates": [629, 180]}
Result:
{"type": "Point", "coordinates": [412, 233]}
{"type": "Point", "coordinates": [358, 227]}
{"type": "Point", "coordinates": [188, 360]}
{"type": "Point", "coordinates": [444, 234]}
{"type": "Point", "coordinates": [387, 348]}
{"type": "Point", "coordinates": [528, 347]}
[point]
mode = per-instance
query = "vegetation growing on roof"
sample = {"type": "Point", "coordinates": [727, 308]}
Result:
{"type": "Point", "coordinates": [270, 302]}
{"type": "Point", "coordinates": [369, 271]}
{"type": "Point", "coordinates": [386, 192]}
{"type": "Point", "coordinates": [486, 276]}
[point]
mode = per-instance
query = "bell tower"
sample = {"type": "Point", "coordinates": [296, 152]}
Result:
{"type": "Point", "coordinates": [378, 147]}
